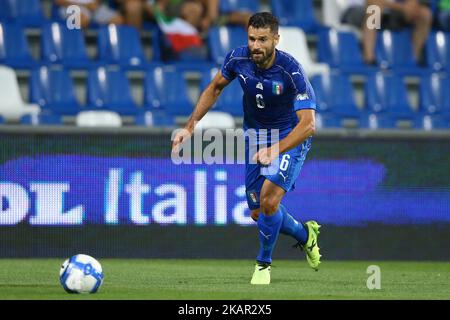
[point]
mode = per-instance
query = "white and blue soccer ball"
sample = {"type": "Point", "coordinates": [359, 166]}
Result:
{"type": "Point", "coordinates": [81, 274]}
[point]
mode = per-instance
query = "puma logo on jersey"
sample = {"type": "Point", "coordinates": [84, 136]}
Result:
{"type": "Point", "coordinates": [243, 78]}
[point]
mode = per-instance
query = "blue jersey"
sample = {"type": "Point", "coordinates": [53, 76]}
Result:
{"type": "Point", "coordinates": [271, 96]}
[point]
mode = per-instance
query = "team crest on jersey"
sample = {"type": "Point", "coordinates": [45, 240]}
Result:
{"type": "Point", "coordinates": [277, 88]}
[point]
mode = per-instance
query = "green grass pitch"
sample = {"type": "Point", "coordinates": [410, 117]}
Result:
{"type": "Point", "coordinates": [229, 279]}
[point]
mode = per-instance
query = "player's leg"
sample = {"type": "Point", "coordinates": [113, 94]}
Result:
{"type": "Point", "coordinates": [269, 223]}
{"type": "Point", "coordinates": [290, 226]}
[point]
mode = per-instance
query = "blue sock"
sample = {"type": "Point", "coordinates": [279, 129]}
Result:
{"type": "Point", "coordinates": [292, 227]}
{"type": "Point", "coordinates": [269, 229]}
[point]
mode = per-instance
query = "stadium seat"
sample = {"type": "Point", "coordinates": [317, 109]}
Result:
{"type": "Point", "coordinates": [216, 120]}
{"type": "Point", "coordinates": [228, 6]}
{"type": "Point", "coordinates": [2, 120]}
{"type": "Point", "coordinates": [394, 51]}
{"type": "Point", "coordinates": [230, 100]}
{"type": "Point", "coordinates": [222, 40]}
{"type": "Point", "coordinates": [14, 50]}
{"type": "Point", "coordinates": [109, 89]}
{"type": "Point", "coordinates": [296, 13]}
{"type": "Point", "coordinates": [341, 51]}
{"type": "Point", "coordinates": [155, 118]}
{"type": "Point", "coordinates": [335, 99]}
{"type": "Point", "coordinates": [438, 51]}
{"type": "Point", "coordinates": [98, 118]}
{"type": "Point", "coordinates": [293, 41]}
{"type": "Point", "coordinates": [28, 13]}
{"type": "Point", "coordinates": [332, 11]}
{"type": "Point", "coordinates": [121, 45]}
{"type": "Point", "coordinates": [53, 90]}
{"type": "Point", "coordinates": [434, 101]}
{"type": "Point", "coordinates": [166, 89]}
{"type": "Point", "coordinates": [60, 45]}
{"type": "Point", "coordinates": [42, 119]}
{"type": "Point", "coordinates": [12, 107]}
{"type": "Point", "coordinates": [387, 101]}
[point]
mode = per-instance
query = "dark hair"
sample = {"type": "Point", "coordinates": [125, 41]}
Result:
{"type": "Point", "coordinates": [264, 20]}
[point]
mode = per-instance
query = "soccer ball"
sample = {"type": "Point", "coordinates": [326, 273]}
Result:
{"type": "Point", "coordinates": [81, 274]}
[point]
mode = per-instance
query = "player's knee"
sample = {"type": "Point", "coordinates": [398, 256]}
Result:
{"type": "Point", "coordinates": [269, 204]}
{"type": "Point", "coordinates": [254, 215]}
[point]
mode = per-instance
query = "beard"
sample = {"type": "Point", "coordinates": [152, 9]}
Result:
{"type": "Point", "coordinates": [262, 58]}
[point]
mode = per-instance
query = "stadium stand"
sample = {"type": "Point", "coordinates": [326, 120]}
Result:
{"type": "Point", "coordinates": [121, 45]}
{"type": "Point", "coordinates": [387, 99]}
{"type": "Point", "coordinates": [14, 49]}
{"type": "Point", "coordinates": [394, 51]}
{"type": "Point", "coordinates": [438, 51]}
{"type": "Point", "coordinates": [109, 89]}
{"type": "Point", "coordinates": [61, 45]}
{"type": "Point", "coordinates": [296, 13]}
{"type": "Point", "coordinates": [53, 90]}
{"type": "Point", "coordinates": [28, 13]}
{"type": "Point", "coordinates": [230, 101]}
{"type": "Point", "coordinates": [166, 89]}
{"type": "Point", "coordinates": [340, 50]}
{"type": "Point", "coordinates": [118, 68]}
{"type": "Point", "coordinates": [434, 102]}
{"type": "Point", "coordinates": [41, 119]}
{"type": "Point", "coordinates": [335, 99]}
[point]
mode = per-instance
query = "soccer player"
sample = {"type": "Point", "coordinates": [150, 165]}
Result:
{"type": "Point", "coordinates": [277, 95]}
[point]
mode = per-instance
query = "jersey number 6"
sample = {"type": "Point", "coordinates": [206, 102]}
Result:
{"type": "Point", "coordinates": [260, 101]}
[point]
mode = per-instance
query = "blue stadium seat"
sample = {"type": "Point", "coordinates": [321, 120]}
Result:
{"type": "Point", "coordinates": [109, 89]}
{"type": "Point", "coordinates": [438, 51]}
{"type": "Point", "coordinates": [42, 119]}
{"type": "Point", "coordinates": [335, 99]}
{"type": "Point", "coordinates": [53, 90]}
{"type": "Point", "coordinates": [2, 120]}
{"type": "Point", "coordinates": [296, 13]}
{"type": "Point", "coordinates": [60, 45]}
{"type": "Point", "coordinates": [341, 50]}
{"type": "Point", "coordinates": [434, 101]}
{"type": "Point", "coordinates": [228, 6]}
{"type": "Point", "coordinates": [224, 39]}
{"type": "Point", "coordinates": [386, 99]}
{"type": "Point", "coordinates": [166, 89]}
{"type": "Point", "coordinates": [155, 118]}
{"type": "Point", "coordinates": [14, 50]}
{"type": "Point", "coordinates": [394, 51]}
{"type": "Point", "coordinates": [28, 13]}
{"type": "Point", "coordinates": [230, 100]}
{"type": "Point", "coordinates": [121, 45]}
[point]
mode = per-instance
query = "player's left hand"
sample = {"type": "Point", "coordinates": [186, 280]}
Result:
{"type": "Point", "coordinates": [265, 156]}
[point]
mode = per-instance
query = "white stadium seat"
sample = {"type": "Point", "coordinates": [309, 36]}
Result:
{"type": "Point", "coordinates": [101, 118]}
{"type": "Point", "coordinates": [293, 41]}
{"type": "Point", "coordinates": [12, 107]}
{"type": "Point", "coordinates": [216, 120]}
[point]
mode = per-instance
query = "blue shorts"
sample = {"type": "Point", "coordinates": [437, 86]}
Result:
{"type": "Point", "coordinates": [283, 172]}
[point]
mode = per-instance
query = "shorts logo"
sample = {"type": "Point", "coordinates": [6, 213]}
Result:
{"type": "Point", "coordinates": [253, 196]}
{"type": "Point", "coordinates": [277, 88]}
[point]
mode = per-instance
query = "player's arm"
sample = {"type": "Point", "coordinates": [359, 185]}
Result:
{"type": "Point", "coordinates": [206, 101]}
{"type": "Point", "coordinates": [304, 129]}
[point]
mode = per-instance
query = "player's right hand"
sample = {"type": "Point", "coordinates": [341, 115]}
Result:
{"type": "Point", "coordinates": [181, 136]}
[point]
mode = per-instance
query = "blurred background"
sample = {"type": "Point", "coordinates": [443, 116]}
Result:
{"type": "Point", "coordinates": [86, 117]}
